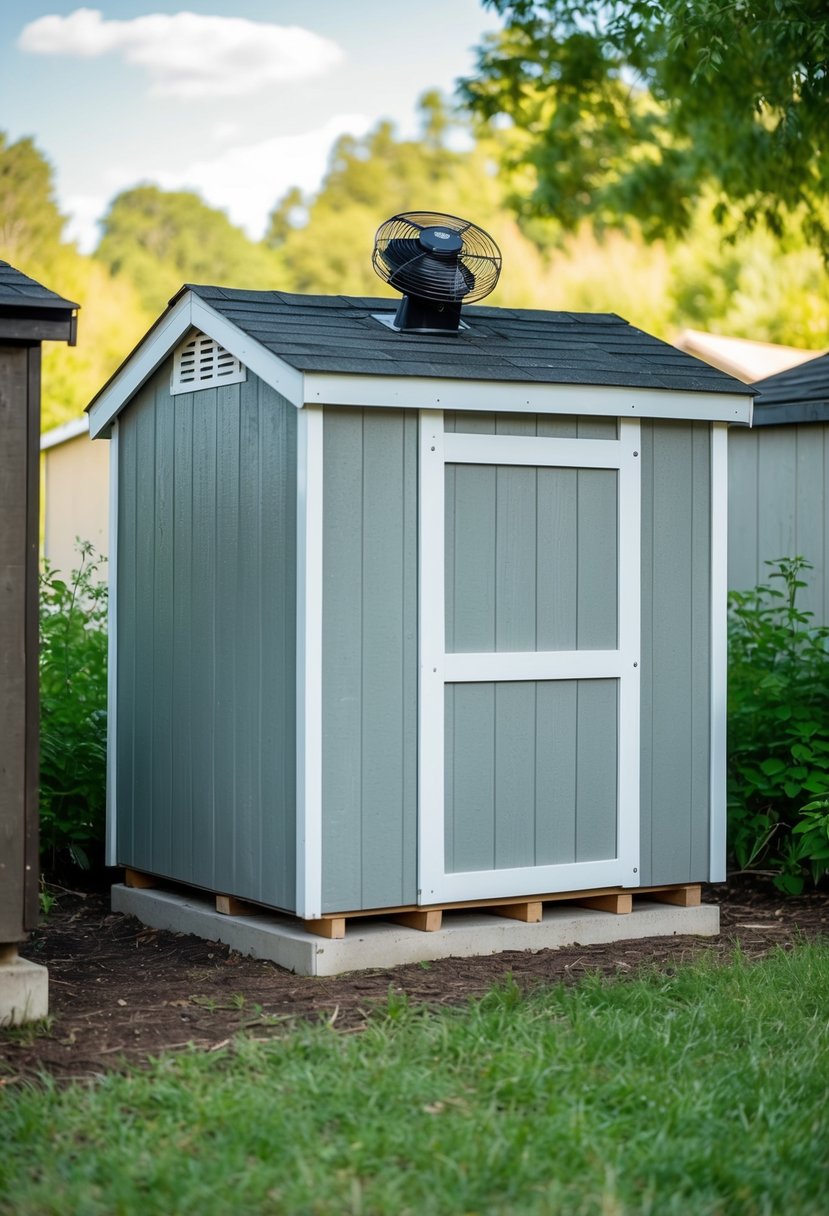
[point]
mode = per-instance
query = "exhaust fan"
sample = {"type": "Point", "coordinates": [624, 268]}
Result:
{"type": "Point", "coordinates": [438, 262]}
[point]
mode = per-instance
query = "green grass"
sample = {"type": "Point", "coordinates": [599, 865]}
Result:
{"type": "Point", "coordinates": [700, 1093]}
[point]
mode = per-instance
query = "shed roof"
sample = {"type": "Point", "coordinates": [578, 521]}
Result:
{"type": "Point", "coordinates": [341, 334]}
{"type": "Point", "coordinates": [800, 394]}
{"type": "Point", "coordinates": [333, 350]}
{"type": "Point", "coordinates": [31, 312]}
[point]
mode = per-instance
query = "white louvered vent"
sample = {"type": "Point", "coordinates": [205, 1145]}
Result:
{"type": "Point", "coordinates": [201, 363]}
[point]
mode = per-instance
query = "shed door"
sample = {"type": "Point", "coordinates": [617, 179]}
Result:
{"type": "Point", "coordinates": [529, 652]}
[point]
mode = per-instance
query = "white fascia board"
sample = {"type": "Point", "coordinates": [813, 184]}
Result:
{"type": "Point", "coordinates": [256, 358]}
{"type": "Point", "coordinates": [111, 853]}
{"type": "Point", "coordinates": [139, 366]}
{"type": "Point", "coordinates": [188, 313]}
{"type": "Point", "coordinates": [64, 433]}
{"type": "Point", "coordinates": [414, 392]}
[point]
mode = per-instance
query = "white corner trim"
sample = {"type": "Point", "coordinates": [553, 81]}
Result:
{"type": "Point", "coordinates": [719, 653]}
{"type": "Point", "coordinates": [422, 393]}
{"type": "Point", "coordinates": [309, 665]}
{"type": "Point", "coordinates": [111, 849]}
{"type": "Point", "coordinates": [431, 848]}
{"type": "Point", "coordinates": [64, 433]}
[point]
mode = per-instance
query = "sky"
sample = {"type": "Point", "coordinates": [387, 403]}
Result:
{"type": "Point", "coordinates": [237, 99]}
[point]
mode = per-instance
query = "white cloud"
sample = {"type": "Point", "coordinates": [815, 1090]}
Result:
{"type": "Point", "coordinates": [245, 181]}
{"type": "Point", "coordinates": [189, 55]}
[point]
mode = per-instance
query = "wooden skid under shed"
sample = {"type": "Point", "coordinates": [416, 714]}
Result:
{"type": "Point", "coordinates": [429, 919]}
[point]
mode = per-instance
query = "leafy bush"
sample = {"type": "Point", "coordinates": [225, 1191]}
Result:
{"type": "Point", "coordinates": [778, 732]}
{"type": "Point", "coordinates": [73, 698]}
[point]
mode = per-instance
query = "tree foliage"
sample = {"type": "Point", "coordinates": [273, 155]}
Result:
{"type": "Point", "coordinates": [645, 109]}
{"type": "Point", "coordinates": [159, 239]}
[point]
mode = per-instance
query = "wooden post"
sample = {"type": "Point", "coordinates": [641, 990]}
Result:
{"type": "Point", "coordinates": [332, 927]}
{"type": "Point", "coordinates": [529, 911]}
{"type": "Point", "coordinates": [621, 903]}
{"type": "Point", "coordinates": [427, 921]}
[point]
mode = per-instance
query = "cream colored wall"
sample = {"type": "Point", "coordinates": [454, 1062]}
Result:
{"type": "Point", "coordinates": [76, 476]}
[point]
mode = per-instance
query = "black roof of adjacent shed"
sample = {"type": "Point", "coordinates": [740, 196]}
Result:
{"type": "Point", "coordinates": [23, 294]}
{"type": "Point", "coordinates": [341, 334]}
{"type": "Point", "coordinates": [30, 312]}
{"type": "Point", "coordinates": [800, 394]}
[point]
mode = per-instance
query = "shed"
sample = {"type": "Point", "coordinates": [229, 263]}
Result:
{"type": "Point", "coordinates": [29, 315]}
{"type": "Point", "coordinates": [778, 498]}
{"type": "Point", "coordinates": [75, 475]}
{"type": "Point", "coordinates": [404, 620]}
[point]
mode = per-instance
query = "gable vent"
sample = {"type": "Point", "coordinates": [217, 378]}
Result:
{"type": "Point", "coordinates": [201, 363]}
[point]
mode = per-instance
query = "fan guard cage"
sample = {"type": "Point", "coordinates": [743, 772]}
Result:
{"type": "Point", "coordinates": [403, 263]}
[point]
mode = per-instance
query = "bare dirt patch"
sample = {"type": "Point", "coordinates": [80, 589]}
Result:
{"type": "Point", "coordinates": [121, 993]}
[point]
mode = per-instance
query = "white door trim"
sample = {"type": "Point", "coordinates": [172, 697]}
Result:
{"type": "Point", "coordinates": [437, 667]}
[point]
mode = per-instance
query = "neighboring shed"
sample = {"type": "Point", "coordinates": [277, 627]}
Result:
{"type": "Point", "coordinates": [29, 315]}
{"type": "Point", "coordinates": [778, 500]}
{"type": "Point", "coordinates": [404, 620]}
{"type": "Point", "coordinates": [76, 493]}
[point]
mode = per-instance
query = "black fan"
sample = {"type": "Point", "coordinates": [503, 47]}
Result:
{"type": "Point", "coordinates": [439, 262]}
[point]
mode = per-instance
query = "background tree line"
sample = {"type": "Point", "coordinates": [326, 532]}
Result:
{"type": "Point", "coordinates": [662, 161]}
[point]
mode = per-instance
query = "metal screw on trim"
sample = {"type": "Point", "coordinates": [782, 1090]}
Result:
{"type": "Point", "coordinates": [433, 447]}
{"type": "Point", "coordinates": [635, 870]}
{"type": "Point", "coordinates": [636, 453]}
{"type": "Point", "coordinates": [635, 664]}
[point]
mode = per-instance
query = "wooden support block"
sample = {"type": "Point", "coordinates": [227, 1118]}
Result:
{"type": "Point", "coordinates": [332, 927]}
{"type": "Point", "coordinates": [134, 878]}
{"type": "Point", "coordinates": [529, 911]}
{"type": "Point", "coordinates": [620, 904]}
{"type": "Point", "coordinates": [229, 905]}
{"type": "Point", "coordinates": [426, 921]}
{"type": "Point", "coordinates": [683, 897]}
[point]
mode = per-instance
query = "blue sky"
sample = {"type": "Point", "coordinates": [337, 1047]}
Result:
{"type": "Point", "coordinates": [238, 100]}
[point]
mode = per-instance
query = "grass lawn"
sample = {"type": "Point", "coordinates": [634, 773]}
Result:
{"type": "Point", "coordinates": [703, 1092]}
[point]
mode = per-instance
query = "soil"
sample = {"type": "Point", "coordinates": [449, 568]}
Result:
{"type": "Point", "coordinates": [121, 993]}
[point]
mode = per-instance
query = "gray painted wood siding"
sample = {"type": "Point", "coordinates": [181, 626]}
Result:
{"type": "Point", "coordinates": [206, 742]}
{"type": "Point", "coordinates": [676, 635]}
{"type": "Point", "coordinates": [778, 506]}
{"type": "Point", "coordinates": [531, 773]}
{"type": "Point", "coordinates": [369, 658]}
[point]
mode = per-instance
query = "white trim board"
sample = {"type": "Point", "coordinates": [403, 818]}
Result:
{"type": "Point", "coordinates": [719, 653]}
{"type": "Point", "coordinates": [422, 393]}
{"type": "Point", "coordinates": [309, 665]}
{"type": "Point", "coordinates": [111, 847]}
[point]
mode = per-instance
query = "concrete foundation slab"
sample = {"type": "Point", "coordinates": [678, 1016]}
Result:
{"type": "Point", "coordinates": [24, 992]}
{"type": "Point", "coordinates": [371, 943]}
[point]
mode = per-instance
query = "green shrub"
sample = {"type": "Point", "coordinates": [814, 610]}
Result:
{"type": "Point", "coordinates": [778, 732]}
{"type": "Point", "coordinates": [73, 699]}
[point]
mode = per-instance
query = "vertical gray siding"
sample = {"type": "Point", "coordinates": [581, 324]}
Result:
{"type": "Point", "coordinates": [207, 626]}
{"type": "Point", "coordinates": [675, 682]}
{"type": "Point", "coordinates": [369, 653]}
{"type": "Point", "coordinates": [778, 506]}
{"type": "Point", "coordinates": [530, 773]}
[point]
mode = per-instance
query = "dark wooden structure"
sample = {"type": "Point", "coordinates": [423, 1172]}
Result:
{"type": "Point", "coordinates": [29, 315]}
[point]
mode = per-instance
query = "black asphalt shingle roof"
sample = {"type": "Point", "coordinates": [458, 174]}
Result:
{"type": "Point", "coordinates": [19, 292]}
{"type": "Point", "coordinates": [800, 394]}
{"type": "Point", "coordinates": [340, 334]}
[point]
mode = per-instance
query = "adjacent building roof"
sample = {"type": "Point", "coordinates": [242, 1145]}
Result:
{"type": "Point", "coordinates": [340, 350]}
{"type": "Point", "coordinates": [800, 394]}
{"type": "Point", "coordinates": [31, 312]}
{"type": "Point", "coordinates": [742, 357]}
{"type": "Point", "coordinates": [342, 334]}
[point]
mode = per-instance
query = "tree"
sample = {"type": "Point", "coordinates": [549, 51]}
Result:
{"type": "Point", "coordinates": [160, 239]}
{"type": "Point", "coordinates": [644, 109]}
{"type": "Point", "coordinates": [30, 222]}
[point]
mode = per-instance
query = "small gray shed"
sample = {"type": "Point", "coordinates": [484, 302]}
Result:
{"type": "Point", "coordinates": [778, 494]}
{"type": "Point", "coordinates": [408, 620]}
